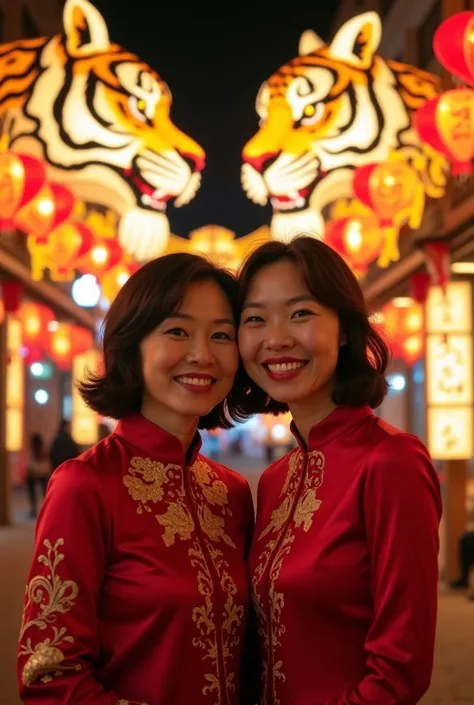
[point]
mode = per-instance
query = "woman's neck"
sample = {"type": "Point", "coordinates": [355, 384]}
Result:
{"type": "Point", "coordinates": [183, 428]}
{"type": "Point", "coordinates": [308, 414]}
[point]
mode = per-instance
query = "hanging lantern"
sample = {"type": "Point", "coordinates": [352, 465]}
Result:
{"type": "Point", "coordinates": [60, 346]}
{"type": "Point", "coordinates": [21, 178]}
{"type": "Point", "coordinates": [402, 319]}
{"type": "Point", "coordinates": [51, 207]}
{"type": "Point", "coordinates": [113, 280]}
{"type": "Point", "coordinates": [446, 123]}
{"type": "Point", "coordinates": [412, 349]}
{"type": "Point", "coordinates": [35, 319]}
{"type": "Point", "coordinates": [102, 256]}
{"type": "Point", "coordinates": [64, 246]}
{"type": "Point", "coordinates": [394, 192]}
{"type": "Point", "coordinates": [12, 291]}
{"type": "Point", "coordinates": [453, 45]}
{"type": "Point", "coordinates": [359, 240]}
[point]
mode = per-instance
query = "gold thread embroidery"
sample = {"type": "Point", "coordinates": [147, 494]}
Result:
{"type": "Point", "coordinates": [150, 481]}
{"type": "Point", "coordinates": [53, 596]}
{"type": "Point", "coordinates": [277, 548]}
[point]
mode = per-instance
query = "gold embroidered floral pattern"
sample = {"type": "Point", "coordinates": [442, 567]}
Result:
{"type": "Point", "coordinates": [53, 596]}
{"type": "Point", "coordinates": [149, 481]}
{"type": "Point", "coordinates": [296, 510]}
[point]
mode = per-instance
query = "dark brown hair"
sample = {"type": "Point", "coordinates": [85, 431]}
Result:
{"type": "Point", "coordinates": [363, 359]}
{"type": "Point", "coordinates": [150, 296]}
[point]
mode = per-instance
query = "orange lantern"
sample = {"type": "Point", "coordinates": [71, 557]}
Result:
{"type": "Point", "coordinates": [21, 178]}
{"type": "Point", "coordinates": [403, 321]}
{"type": "Point", "coordinates": [446, 123]}
{"type": "Point", "coordinates": [113, 280]}
{"type": "Point", "coordinates": [63, 247]}
{"type": "Point", "coordinates": [52, 206]}
{"type": "Point", "coordinates": [453, 45]}
{"type": "Point", "coordinates": [60, 346]}
{"type": "Point", "coordinates": [358, 239]}
{"type": "Point", "coordinates": [35, 319]}
{"type": "Point", "coordinates": [103, 256]}
{"type": "Point", "coordinates": [412, 349]}
{"type": "Point", "coordinates": [394, 192]}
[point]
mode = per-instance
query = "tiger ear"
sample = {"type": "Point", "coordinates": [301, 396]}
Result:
{"type": "Point", "coordinates": [85, 29]}
{"type": "Point", "coordinates": [310, 42]}
{"type": "Point", "coordinates": [358, 40]}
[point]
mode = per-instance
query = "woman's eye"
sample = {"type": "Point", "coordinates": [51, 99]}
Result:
{"type": "Point", "coordinates": [221, 335]}
{"type": "Point", "coordinates": [253, 319]}
{"type": "Point", "coordinates": [177, 332]}
{"type": "Point", "coordinates": [302, 312]}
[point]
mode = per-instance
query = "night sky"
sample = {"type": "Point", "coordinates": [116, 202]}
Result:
{"type": "Point", "coordinates": [214, 62]}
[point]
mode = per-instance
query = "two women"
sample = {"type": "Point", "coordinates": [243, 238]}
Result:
{"type": "Point", "coordinates": [141, 591]}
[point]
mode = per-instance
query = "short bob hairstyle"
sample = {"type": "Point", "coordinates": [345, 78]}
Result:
{"type": "Point", "coordinates": [150, 296]}
{"type": "Point", "coordinates": [363, 359]}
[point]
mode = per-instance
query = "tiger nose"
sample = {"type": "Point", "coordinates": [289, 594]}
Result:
{"type": "Point", "coordinates": [258, 161]}
{"type": "Point", "coordinates": [195, 161]}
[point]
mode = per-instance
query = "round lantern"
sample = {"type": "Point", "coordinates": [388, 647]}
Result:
{"type": "Point", "coordinates": [35, 319]}
{"type": "Point", "coordinates": [446, 123]}
{"type": "Point", "coordinates": [403, 319]}
{"type": "Point", "coordinates": [51, 207]}
{"type": "Point", "coordinates": [412, 349]}
{"type": "Point", "coordinates": [453, 45]}
{"type": "Point", "coordinates": [359, 240]}
{"type": "Point", "coordinates": [60, 346]}
{"type": "Point", "coordinates": [103, 256]}
{"type": "Point", "coordinates": [21, 178]}
{"type": "Point", "coordinates": [394, 192]}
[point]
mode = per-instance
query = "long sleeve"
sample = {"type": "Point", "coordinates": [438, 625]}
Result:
{"type": "Point", "coordinates": [250, 667]}
{"type": "Point", "coordinates": [59, 641]}
{"type": "Point", "coordinates": [402, 510]}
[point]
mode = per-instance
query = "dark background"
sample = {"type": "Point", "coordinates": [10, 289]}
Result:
{"type": "Point", "coordinates": [214, 61]}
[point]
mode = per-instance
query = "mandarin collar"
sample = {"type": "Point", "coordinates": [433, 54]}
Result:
{"type": "Point", "coordinates": [155, 441]}
{"type": "Point", "coordinates": [337, 422]}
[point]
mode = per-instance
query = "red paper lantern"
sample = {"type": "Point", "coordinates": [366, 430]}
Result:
{"type": "Point", "coordinates": [412, 349]}
{"type": "Point", "coordinates": [453, 45]}
{"type": "Point", "coordinates": [393, 191]}
{"type": "Point", "coordinates": [103, 256]}
{"type": "Point", "coordinates": [402, 319]}
{"type": "Point", "coordinates": [358, 239]}
{"type": "Point", "coordinates": [35, 319]}
{"type": "Point", "coordinates": [51, 207]}
{"type": "Point", "coordinates": [61, 251]}
{"type": "Point", "coordinates": [60, 346]}
{"type": "Point", "coordinates": [21, 178]}
{"type": "Point", "coordinates": [12, 291]}
{"type": "Point", "coordinates": [446, 123]}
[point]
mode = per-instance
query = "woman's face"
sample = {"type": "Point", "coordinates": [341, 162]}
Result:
{"type": "Point", "coordinates": [189, 361]}
{"type": "Point", "coordinates": [289, 342]}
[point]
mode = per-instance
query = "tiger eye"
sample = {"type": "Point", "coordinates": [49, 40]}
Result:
{"type": "Point", "coordinates": [309, 110]}
{"type": "Point", "coordinates": [141, 104]}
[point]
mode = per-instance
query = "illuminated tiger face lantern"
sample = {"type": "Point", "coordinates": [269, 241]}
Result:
{"type": "Point", "coordinates": [99, 116]}
{"type": "Point", "coordinates": [332, 109]}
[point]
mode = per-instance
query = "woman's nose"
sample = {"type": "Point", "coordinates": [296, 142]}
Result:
{"type": "Point", "coordinates": [278, 338]}
{"type": "Point", "coordinates": [200, 353]}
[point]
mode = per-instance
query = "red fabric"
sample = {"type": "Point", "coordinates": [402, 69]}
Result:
{"type": "Point", "coordinates": [138, 587]}
{"type": "Point", "coordinates": [344, 566]}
